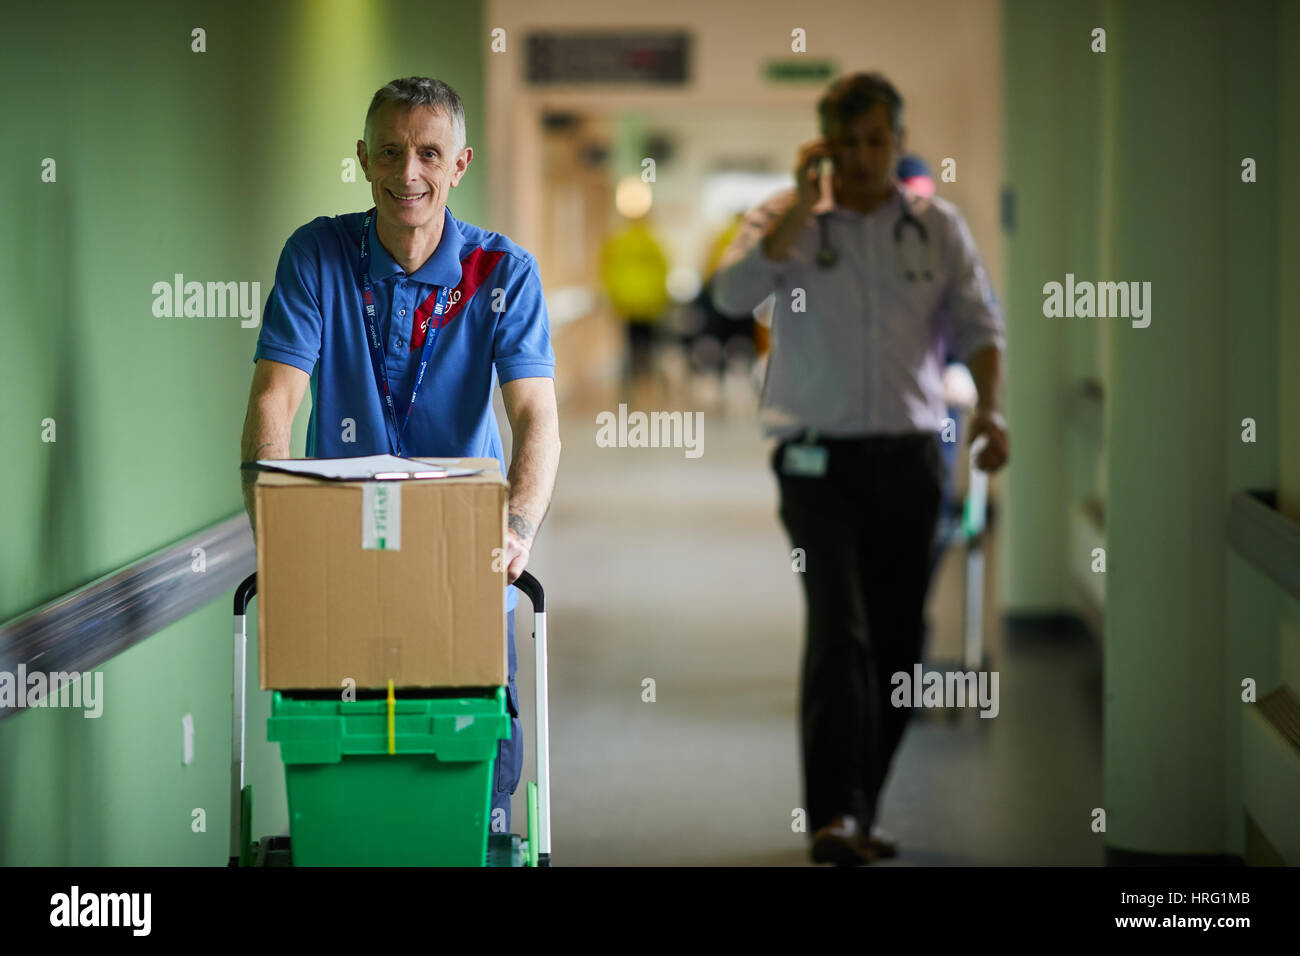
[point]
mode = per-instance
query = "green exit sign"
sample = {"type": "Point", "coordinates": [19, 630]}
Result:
{"type": "Point", "coordinates": [799, 69]}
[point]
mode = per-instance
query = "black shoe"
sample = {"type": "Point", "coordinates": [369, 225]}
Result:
{"type": "Point", "coordinates": [843, 843]}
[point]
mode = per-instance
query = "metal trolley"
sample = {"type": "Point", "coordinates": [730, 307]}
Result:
{"type": "Point", "coordinates": [504, 849]}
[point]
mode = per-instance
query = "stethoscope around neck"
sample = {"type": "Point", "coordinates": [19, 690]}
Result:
{"type": "Point", "coordinates": [913, 270]}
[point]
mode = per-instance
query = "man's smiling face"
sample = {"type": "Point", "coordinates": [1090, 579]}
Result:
{"type": "Point", "coordinates": [412, 164]}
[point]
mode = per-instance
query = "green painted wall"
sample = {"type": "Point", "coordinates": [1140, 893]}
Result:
{"type": "Point", "coordinates": [167, 161]}
{"type": "Point", "coordinates": [1053, 165]}
{"type": "Point", "coordinates": [1165, 714]}
{"type": "Point", "coordinates": [1184, 623]}
{"type": "Point", "coordinates": [1286, 43]}
{"type": "Point", "coordinates": [1254, 366]}
{"type": "Point", "coordinates": [1127, 166]}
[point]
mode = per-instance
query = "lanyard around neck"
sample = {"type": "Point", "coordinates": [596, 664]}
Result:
{"type": "Point", "coordinates": [376, 346]}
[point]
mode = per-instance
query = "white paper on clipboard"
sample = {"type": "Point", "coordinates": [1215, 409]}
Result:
{"type": "Point", "coordinates": [368, 468]}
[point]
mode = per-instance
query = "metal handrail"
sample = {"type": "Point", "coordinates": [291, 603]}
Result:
{"type": "Point", "coordinates": [87, 626]}
{"type": "Point", "coordinates": [1265, 538]}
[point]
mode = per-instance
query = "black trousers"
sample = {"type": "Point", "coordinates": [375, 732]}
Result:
{"type": "Point", "coordinates": [866, 529]}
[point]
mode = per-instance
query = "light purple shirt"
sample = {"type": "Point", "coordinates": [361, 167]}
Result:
{"type": "Point", "coordinates": [860, 350]}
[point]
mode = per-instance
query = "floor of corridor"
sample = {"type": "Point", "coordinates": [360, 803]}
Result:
{"type": "Point", "coordinates": [675, 569]}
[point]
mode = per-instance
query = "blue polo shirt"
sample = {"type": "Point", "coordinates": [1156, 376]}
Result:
{"type": "Point", "coordinates": [495, 328]}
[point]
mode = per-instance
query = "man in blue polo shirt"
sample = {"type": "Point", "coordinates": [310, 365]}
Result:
{"type": "Point", "coordinates": [455, 309]}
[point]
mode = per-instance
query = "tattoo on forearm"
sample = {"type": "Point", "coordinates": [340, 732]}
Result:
{"type": "Point", "coordinates": [521, 526]}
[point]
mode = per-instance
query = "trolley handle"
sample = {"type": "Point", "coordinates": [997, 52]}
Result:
{"type": "Point", "coordinates": [241, 797]}
{"type": "Point", "coordinates": [539, 843]}
{"type": "Point", "coordinates": [530, 586]}
{"type": "Point", "coordinates": [247, 590]}
{"type": "Point", "coordinates": [525, 582]}
{"type": "Point", "coordinates": [244, 593]}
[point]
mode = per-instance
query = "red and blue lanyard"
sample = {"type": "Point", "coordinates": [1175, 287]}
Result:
{"type": "Point", "coordinates": [377, 347]}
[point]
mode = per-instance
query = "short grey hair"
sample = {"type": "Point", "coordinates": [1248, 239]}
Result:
{"type": "Point", "coordinates": [421, 91]}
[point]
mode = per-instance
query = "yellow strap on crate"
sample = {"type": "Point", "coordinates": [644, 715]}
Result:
{"type": "Point", "coordinates": [392, 721]}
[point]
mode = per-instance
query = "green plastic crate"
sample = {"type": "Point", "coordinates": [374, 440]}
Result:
{"type": "Point", "coordinates": [352, 803]}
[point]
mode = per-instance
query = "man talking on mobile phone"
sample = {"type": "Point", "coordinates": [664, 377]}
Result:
{"type": "Point", "coordinates": [872, 284]}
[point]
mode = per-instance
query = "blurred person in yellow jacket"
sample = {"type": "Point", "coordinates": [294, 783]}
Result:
{"type": "Point", "coordinates": [634, 271]}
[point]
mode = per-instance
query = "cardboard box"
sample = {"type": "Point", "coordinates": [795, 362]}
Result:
{"type": "Point", "coordinates": [342, 595]}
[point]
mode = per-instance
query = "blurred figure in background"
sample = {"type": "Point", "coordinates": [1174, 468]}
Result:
{"type": "Point", "coordinates": [915, 175]}
{"type": "Point", "coordinates": [959, 394]}
{"type": "Point", "coordinates": [724, 340]}
{"type": "Point", "coordinates": [634, 272]}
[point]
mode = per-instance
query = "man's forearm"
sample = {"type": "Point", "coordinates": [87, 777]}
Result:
{"type": "Point", "coordinates": [986, 369]}
{"type": "Point", "coordinates": [266, 436]}
{"type": "Point", "coordinates": [534, 460]}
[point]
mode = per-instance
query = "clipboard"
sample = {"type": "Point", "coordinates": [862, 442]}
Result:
{"type": "Point", "coordinates": [364, 468]}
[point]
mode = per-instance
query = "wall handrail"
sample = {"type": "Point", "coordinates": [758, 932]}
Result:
{"type": "Point", "coordinates": [82, 629]}
{"type": "Point", "coordinates": [1266, 538]}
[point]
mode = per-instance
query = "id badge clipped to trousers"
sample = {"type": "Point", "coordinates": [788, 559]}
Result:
{"type": "Point", "coordinates": [805, 458]}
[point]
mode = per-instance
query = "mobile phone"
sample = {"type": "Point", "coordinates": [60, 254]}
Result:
{"type": "Point", "coordinates": [826, 166]}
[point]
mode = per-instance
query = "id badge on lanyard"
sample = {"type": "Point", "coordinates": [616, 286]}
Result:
{"type": "Point", "coordinates": [376, 345]}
